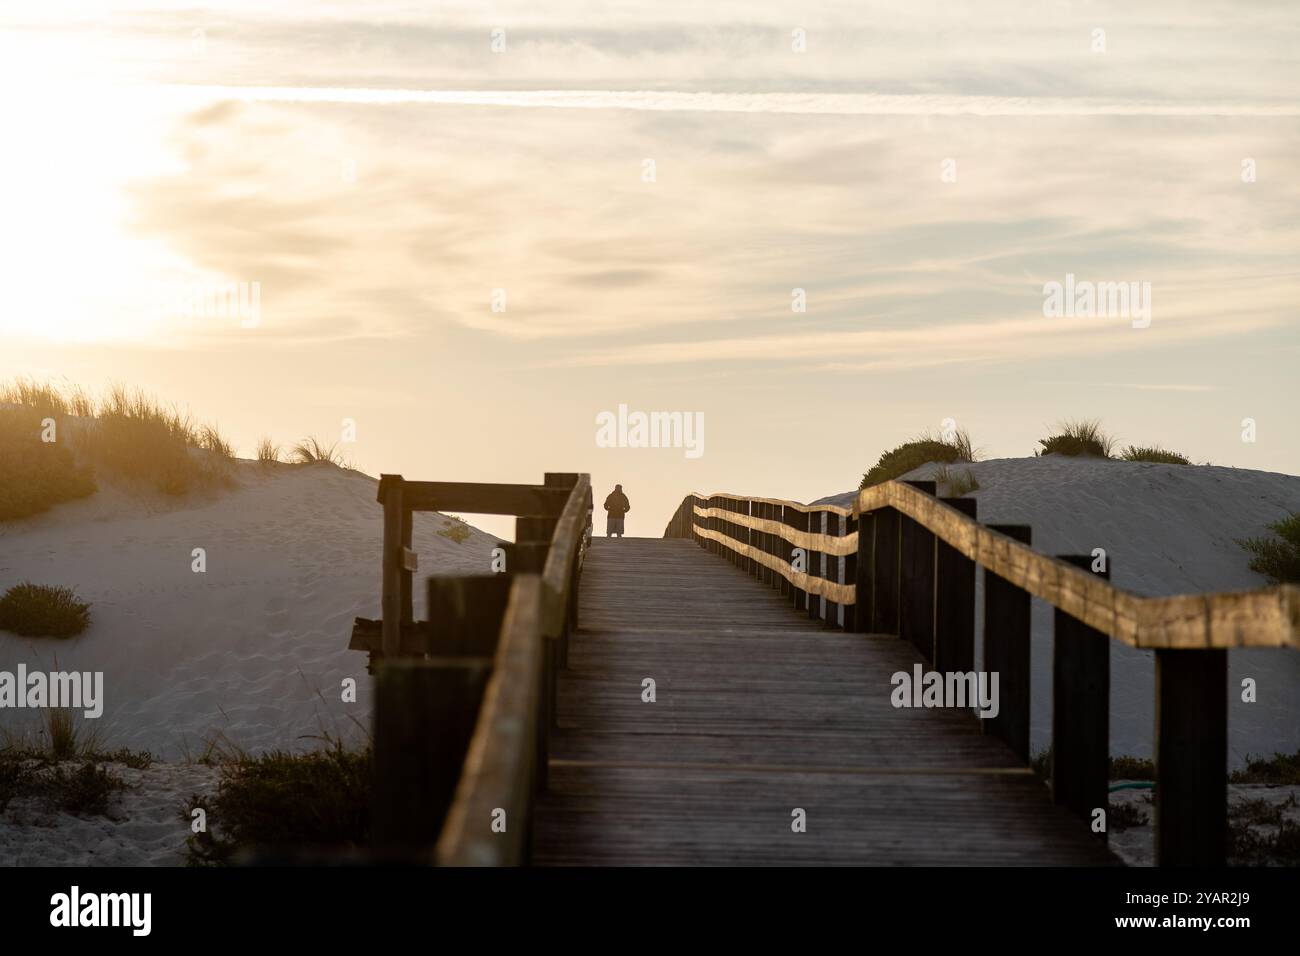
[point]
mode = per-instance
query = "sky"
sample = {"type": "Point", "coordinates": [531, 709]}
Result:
{"type": "Point", "coordinates": [822, 227]}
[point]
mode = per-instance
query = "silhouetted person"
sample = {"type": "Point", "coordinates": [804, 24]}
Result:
{"type": "Point", "coordinates": [616, 505]}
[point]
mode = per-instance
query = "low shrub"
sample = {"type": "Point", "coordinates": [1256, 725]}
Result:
{"type": "Point", "coordinates": [267, 451]}
{"type": "Point", "coordinates": [1278, 770]}
{"type": "Point", "coordinates": [1277, 557]}
{"type": "Point", "coordinates": [1075, 438]}
{"type": "Point", "coordinates": [286, 801]}
{"type": "Point", "coordinates": [913, 454]}
{"type": "Point", "coordinates": [1155, 454]}
{"type": "Point", "coordinates": [38, 610]}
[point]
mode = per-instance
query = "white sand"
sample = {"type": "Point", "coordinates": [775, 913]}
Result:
{"type": "Point", "coordinates": [142, 827]}
{"type": "Point", "coordinates": [254, 649]}
{"type": "Point", "coordinates": [1167, 529]}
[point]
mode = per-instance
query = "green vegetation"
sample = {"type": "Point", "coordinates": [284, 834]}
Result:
{"type": "Point", "coordinates": [1278, 770]}
{"type": "Point", "coordinates": [1153, 454]}
{"type": "Point", "coordinates": [457, 528]}
{"type": "Point", "coordinates": [280, 800]}
{"type": "Point", "coordinates": [1074, 438]}
{"type": "Point", "coordinates": [38, 610]}
{"type": "Point", "coordinates": [43, 770]}
{"type": "Point", "coordinates": [36, 475]}
{"type": "Point", "coordinates": [1260, 832]}
{"type": "Point", "coordinates": [920, 451]}
{"type": "Point", "coordinates": [1277, 557]}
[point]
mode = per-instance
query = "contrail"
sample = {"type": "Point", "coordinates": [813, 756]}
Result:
{"type": "Point", "coordinates": [833, 104]}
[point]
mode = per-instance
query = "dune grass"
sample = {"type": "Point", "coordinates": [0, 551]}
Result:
{"type": "Point", "coordinates": [38, 610]}
{"type": "Point", "coordinates": [36, 475]}
{"type": "Point", "coordinates": [1078, 438]}
{"type": "Point", "coordinates": [312, 449]}
{"type": "Point", "coordinates": [955, 484]}
{"type": "Point", "coordinates": [126, 433]}
{"type": "Point", "coordinates": [282, 801]}
{"type": "Point", "coordinates": [1277, 557]}
{"type": "Point", "coordinates": [1153, 454]}
{"type": "Point", "coordinates": [920, 451]}
{"type": "Point", "coordinates": [268, 452]}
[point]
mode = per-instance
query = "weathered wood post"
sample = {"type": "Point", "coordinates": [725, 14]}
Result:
{"type": "Point", "coordinates": [833, 524]}
{"type": "Point", "coordinates": [426, 710]}
{"type": "Point", "coordinates": [1080, 709]}
{"type": "Point", "coordinates": [863, 578]}
{"type": "Point", "coordinates": [886, 570]}
{"type": "Point", "coordinates": [798, 520]}
{"type": "Point", "coordinates": [391, 602]}
{"type": "Point", "coordinates": [1006, 650]}
{"type": "Point", "coordinates": [1191, 757]}
{"type": "Point", "coordinates": [851, 574]}
{"type": "Point", "coordinates": [815, 526]}
{"type": "Point", "coordinates": [954, 602]}
{"type": "Point", "coordinates": [916, 589]}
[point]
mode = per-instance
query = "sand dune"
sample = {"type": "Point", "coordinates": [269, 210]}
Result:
{"type": "Point", "coordinates": [1167, 529]}
{"type": "Point", "coordinates": [255, 648]}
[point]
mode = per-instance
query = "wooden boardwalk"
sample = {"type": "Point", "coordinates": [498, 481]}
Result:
{"type": "Point", "coordinates": [759, 711]}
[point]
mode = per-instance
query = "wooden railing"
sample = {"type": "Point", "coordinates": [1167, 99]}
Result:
{"type": "Point", "coordinates": [902, 561]}
{"type": "Point", "coordinates": [464, 702]}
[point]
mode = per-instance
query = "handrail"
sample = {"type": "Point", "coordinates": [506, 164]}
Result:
{"type": "Point", "coordinates": [1258, 617]}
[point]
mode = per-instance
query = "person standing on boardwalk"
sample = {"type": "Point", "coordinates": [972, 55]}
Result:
{"type": "Point", "coordinates": [616, 505]}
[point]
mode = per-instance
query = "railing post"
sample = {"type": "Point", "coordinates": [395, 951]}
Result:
{"type": "Point", "coordinates": [886, 568]}
{"type": "Point", "coordinates": [426, 710]}
{"type": "Point", "coordinates": [1006, 650]}
{"type": "Point", "coordinates": [797, 520]}
{"type": "Point", "coordinates": [390, 495]}
{"type": "Point", "coordinates": [1080, 709]}
{"type": "Point", "coordinates": [833, 524]}
{"type": "Point", "coordinates": [815, 565]}
{"type": "Point", "coordinates": [916, 589]}
{"type": "Point", "coordinates": [954, 602]}
{"type": "Point", "coordinates": [1191, 757]}
{"type": "Point", "coordinates": [851, 575]}
{"type": "Point", "coordinates": [862, 577]}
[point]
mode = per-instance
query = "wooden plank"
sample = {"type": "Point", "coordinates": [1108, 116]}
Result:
{"type": "Point", "coordinates": [391, 602]}
{"type": "Point", "coordinates": [886, 570]}
{"type": "Point", "coordinates": [863, 564]}
{"type": "Point", "coordinates": [465, 613]}
{"type": "Point", "coordinates": [805, 581]}
{"type": "Point", "coordinates": [1007, 651]}
{"type": "Point", "coordinates": [425, 711]}
{"type": "Point", "coordinates": [954, 602]}
{"type": "Point", "coordinates": [1191, 758]}
{"type": "Point", "coordinates": [764, 522]}
{"type": "Point", "coordinates": [916, 585]}
{"type": "Point", "coordinates": [797, 506]}
{"type": "Point", "coordinates": [500, 765]}
{"type": "Point", "coordinates": [485, 498]}
{"type": "Point", "coordinates": [1080, 711]}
